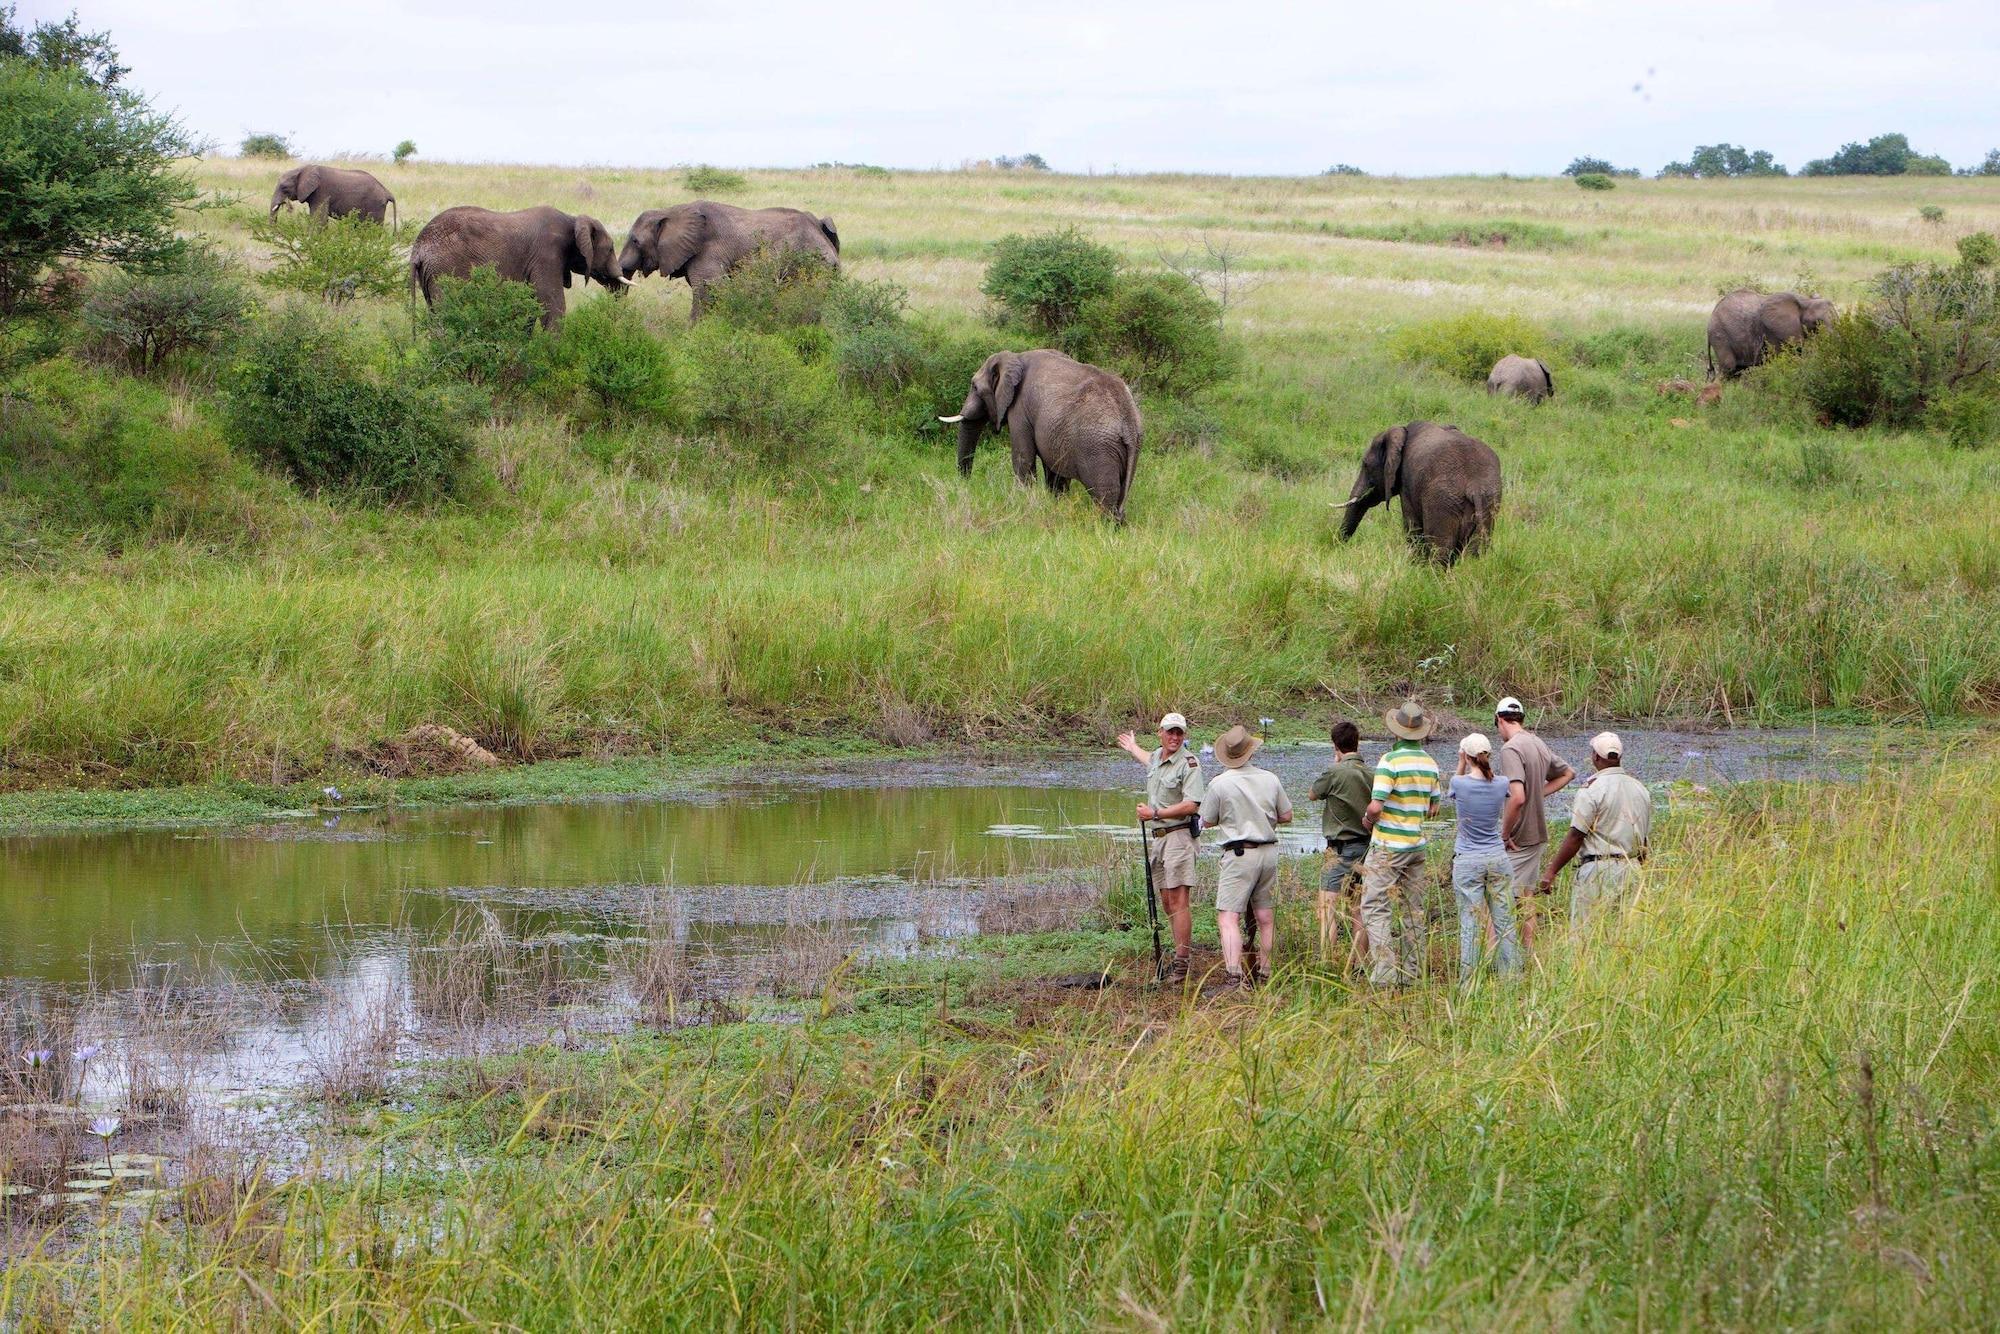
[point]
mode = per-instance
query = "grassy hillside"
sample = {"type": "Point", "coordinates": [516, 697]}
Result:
{"type": "Point", "coordinates": [605, 590]}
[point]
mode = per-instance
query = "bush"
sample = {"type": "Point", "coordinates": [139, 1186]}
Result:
{"type": "Point", "coordinates": [603, 352]}
{"type": "Point", "coordinates": [263, 143]}
{"type": "Point", "coordinates": [1595, 180]}
{"type": "Point", "coordinates": [1588, 166]}
{"type": "Point", "coordinates": [335, 259]}
{"type": "Point", "coordinates": [1625, 347]}
{"type": "Point", "coordinates": [754, 389]}
{"type": "Point", "coordinates": [1725, 160]}
{"type": "Point", "coordinates": [1884, 155]}
{"type": "Point", "coordinates": [1931, 213]}
{"type": "Point", "coordinates": [405, 151]}
{"type": "Point", "coordinates": [874, 347]}
{"type": "Point", "coordinates": [1980, 250]}
{"type": "Point", "coordinates": [305, 397]}
{"type": "Point", "coordinates": [1042, 281]}
{"type": "Point", "coordinates": [707, 180]}
{"type": "Point", "coordinates": [91, 450]}
{"type": "Point", "coordinates": [1343, 169]}
{"type": "Point", "coordinates": [1159, 330]}
{"type": "Point", "coordinates": [484, 328]}
{"type": "Point", "coordinates": [1967, 419]}
{"type": "Point", "coordinates": [145, 318]}
{"type": "Point", "coordinates": [774, 291]}
{"type": "Point", "coordinates": [1466, 346]}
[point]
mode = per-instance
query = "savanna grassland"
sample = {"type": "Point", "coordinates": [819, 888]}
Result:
{"type": "Point", "coordinates": [602, 590]}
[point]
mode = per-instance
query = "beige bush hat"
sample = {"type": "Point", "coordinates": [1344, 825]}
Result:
{"type": "Point", "coordinates": [1475, 743]}
{"type": "Point", "coordinates": [1409, 721]}
{"type": "Point", "coordinates": [1173, 720]}
{"type": "Point", "coordinates": [1235, 747]}
{"type": "Point", "coordinates": [1606, 744]}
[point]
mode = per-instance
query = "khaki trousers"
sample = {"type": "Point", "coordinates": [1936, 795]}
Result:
{"type": "Point", "coordinates": [1396, 958]}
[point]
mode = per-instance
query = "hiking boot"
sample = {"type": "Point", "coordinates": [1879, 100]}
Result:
{"type": "Point", "coordinates": [1177, 971]}
{"type": "Point", "coordinates": [1234, 984]}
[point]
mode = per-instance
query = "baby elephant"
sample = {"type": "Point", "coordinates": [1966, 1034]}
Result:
{"type": "Point", "coordinates": [1527, 376]}
{"type": "Point", "coordinates": [1449, 482]}
{"type": "Point", "coordinates": [1079, 421]}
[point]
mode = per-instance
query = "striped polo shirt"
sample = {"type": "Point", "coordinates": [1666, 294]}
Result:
{"type": "Point", "coordinates": [1406, 783]}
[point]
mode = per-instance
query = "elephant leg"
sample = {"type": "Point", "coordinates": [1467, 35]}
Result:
{"type": "Point", "coordinates": [1021, 437]}
{"type": "Point", "coordinates": [549, 292]}
{"type": "Point", "coordinates": [1057, 483]}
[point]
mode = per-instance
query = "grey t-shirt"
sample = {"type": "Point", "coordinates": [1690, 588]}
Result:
{"type": "Point", "coordinates": [1527, 759]}
{"type": "Point", "coordinates": [1480, 801]}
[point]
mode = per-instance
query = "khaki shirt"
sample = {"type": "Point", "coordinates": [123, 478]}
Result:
{"type": "Point", "coordinates": [1171, 782]}
{"type": "Point", "coordinates": [1614, 813]}
{"type": "Point", "coordinates": [1245, 805]}
{"type": "Point", "coordinates": [1346, 788]}
{"type": "Point", "coordinates": [1526, 759]}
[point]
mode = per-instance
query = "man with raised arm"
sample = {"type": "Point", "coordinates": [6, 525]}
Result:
{"type": "Point", "coordinates": [1174, 788]}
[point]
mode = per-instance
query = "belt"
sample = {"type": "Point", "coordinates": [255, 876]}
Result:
{"type": "Point", "coordinates": [1590, 857]}
{"type": "Point", "coordinates": [1174, 828]}
{"type": "Point", "coordinates": [1236, 845]}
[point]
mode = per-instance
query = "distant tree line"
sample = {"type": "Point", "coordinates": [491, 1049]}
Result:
{"type": "Point", "coordinates": [1884, 155]}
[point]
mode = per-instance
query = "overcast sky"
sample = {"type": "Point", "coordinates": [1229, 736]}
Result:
{"type": "Point", "coordinates": [1404, 86]}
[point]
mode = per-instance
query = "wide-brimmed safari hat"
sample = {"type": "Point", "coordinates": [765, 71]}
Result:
{"type": "Point", "coordinates": [1475, 743]}
{"type": "Point", "coordinates": [1172, 721]}
{"type": "Point", "coordinates": [1409, 721]}
{"type": "Point", "coordinates": [1235, 747]}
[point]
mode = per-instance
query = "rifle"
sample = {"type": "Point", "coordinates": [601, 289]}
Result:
{"type": "Point", "coordinates": [1152, 900]}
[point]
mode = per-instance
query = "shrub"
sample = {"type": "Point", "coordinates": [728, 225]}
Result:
{"type": "Point", "coordinates": [405, 151]}
{"type": "Point", "coordinates": [1343, 169]}
{"type": "Point", "coordinates": [1621, 348]}
{"type": "Point", "coordinates": [755, 390]}
{"type": "Point", "coordinates": [1595, 180]}
{"type": "Point", "coordinates": [1967, 419]}
{"type": "Point", "coordinates": [874, 347]}
{"type": "Point", "coordinates": [1042, 281]}
{"type": "Point", "coordinates": [1884, 155]}
{"type": "Point", "coordinates": [305, 397]}
{"type": "Point", "coordinates": [335, 259]}
{"type": "Point", "coordinates": [145, 318]}
{"type": "Point", "coordinates": [1159, 330]}
{"type": "Point", "coordinates": [774, 291]}
{"type": "Point", "coordinates": [604, 352]}
{"type": "Point", "coordinates": [1466, 346]}
{"type": "Point", "coordinates": [483, 328]}
{"type": "Point", "coordinates": [1588, 166]}
{"type": "Point", "coordinates": [1980, 250]}
{"type": "Point", "coordinates": [264, 143]}
{"type": "Point", "coordinates": [707, 180]}
{"type": "Point", "coordinates": [1725, 160]}
{"type": "Point", "coordinates": [1931, 213]}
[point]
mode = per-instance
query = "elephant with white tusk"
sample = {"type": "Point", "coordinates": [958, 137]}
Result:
{"type": "Point", "coordinates": [1746, 325]}
{"type": "Point", "coordinates": [335, 192]}
{"type": "Point", "coordinates": [1078, 421]}
{"type": "Point", "coordinates": [703, 241]}
{"type": "Point", "coordinates": [1449, 484]}
{"type": "Point", "coordinates": [541, 247]}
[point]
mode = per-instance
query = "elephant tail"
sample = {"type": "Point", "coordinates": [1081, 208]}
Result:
{"type": "Point", "coordinates": [1131, 471]}
{"type": "Point", "coordinates": [396, 213]}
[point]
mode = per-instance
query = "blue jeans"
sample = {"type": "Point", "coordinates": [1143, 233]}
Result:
{"type": "Point", "coordinates": [1485, 880]}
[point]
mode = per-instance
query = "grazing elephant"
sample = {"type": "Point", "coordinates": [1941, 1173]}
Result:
{"type": "Point", "coordinates": [703, 241]}
{"type": "Point", "coordinates": [335, 192]}
{"type": "Point", "coordinates": [1527, 376]}
{"type": "Point", "coordinates": [541, 247]}
{"type": "Point", "coordinates": [1078, 420]}
{"type": "Point", "coordinates": [1449, 482]}
{"type": "Point", "coordinates": [1746, 325]}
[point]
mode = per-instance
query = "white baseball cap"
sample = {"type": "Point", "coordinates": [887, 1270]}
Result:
{"type": "Point", "coordinates": [1475, 743]}
{"type": "Point", "coordinates": [1173, 720]}
{"type": "Point", "coordinates": [1509, 705]}
{"type": "Point", "coordinates": [1606, 744]}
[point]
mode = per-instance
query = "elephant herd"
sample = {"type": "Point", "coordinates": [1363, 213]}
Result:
{"type": "Point", "coordinates": [1073, 421]}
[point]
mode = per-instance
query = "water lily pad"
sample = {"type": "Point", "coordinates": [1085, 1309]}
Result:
{"type": "Point", "coordinates": [87, 1184]}
{"type": "Point", "coordinates": [9, 1191]}
{"type": "Point", "coordinates": [138, 1199]}
{"type": "Point", "coordinates": [134, 1173]}
{"type": "Point", "coordinates": [136, 1160]}
{"type": "Point", "coordinates": [79, 1197]}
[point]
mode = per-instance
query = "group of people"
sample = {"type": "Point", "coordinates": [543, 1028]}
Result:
{"type": "Point", "coordinates": [1374, 871]}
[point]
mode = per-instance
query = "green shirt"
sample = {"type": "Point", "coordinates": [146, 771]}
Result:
{"type": "Point", "coordinates": [1171, 782]}
{"type": "Point", "coordinates": [1406, 783]}
{"type": "Point", "coordinates": [1346, 790]}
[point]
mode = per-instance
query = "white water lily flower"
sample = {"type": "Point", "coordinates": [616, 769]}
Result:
{"type": "Point", "coordinates": [104, 1127]}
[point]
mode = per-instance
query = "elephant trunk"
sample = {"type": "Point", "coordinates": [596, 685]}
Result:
{"type": "Point", "coordinates": [631, 261]}
{"type": "Point", "coordinates": [1359, 502]}
{"type": "Point", "coordinates": [277, 201]}
{"type": "Point", "coordinates": [969, 431]}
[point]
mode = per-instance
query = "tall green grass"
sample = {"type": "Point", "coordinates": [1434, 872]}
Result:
{"type": "Point", "coordinates": [1762, 1101]}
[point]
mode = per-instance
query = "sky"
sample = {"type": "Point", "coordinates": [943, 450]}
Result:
{"type": "Point", "coordinates": [1392, 86]}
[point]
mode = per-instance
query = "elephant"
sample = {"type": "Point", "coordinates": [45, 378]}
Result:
{"type": "Point", "coordinates": [538, 246]}
{"type": "Point", "coordinates": [335, 192]}
{"type": "Point", "coordinates": [1078, 420]}
{"type": "Point", "coordinates": [1527, 376]}
{"type": "Point", "coordinates": [1449, 482]}
{"type": "Point", "coordinates": [704, 240]}
{"type": "Point", "coordinates": [1746, 325]}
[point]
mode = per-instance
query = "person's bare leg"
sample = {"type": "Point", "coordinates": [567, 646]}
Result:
{"type": "Point", "coordinates": [1180, 917]}
{"type": "Point", "coordinates": [1267, 940]}
{"type": "Point", "coordinates": [1229, 926]}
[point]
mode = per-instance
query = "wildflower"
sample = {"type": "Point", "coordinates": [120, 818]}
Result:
{"type": "Point", "coordinates": [1265, 722]}
{"type": "Point", "coordinates": [85, 1052]}
{"type": "Point", "coordinates": [104, 1127]}
{"type": "Point", "coordinates": [331, 793]}
{"type": "Point", "coordinates": [37, 1057]}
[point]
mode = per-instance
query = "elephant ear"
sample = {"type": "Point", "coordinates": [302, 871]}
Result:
{"type": "Point", "coordinates": [1547, 378]}
{"type": "Point", "coordinates": [586, 232]}
{"type": "Point", "coordinates": [308, 183]}
{"type": "Point", "coordinates": [831, 232]}
{"type": "Point", "coordinates": [678, 234]}
{"type": "Point", "coordinates": [1007, 385]}
{"type": "Point", "coordinates": [1392, 460]}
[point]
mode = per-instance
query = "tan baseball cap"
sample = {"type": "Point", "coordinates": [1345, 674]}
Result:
{"type": "Point", "coordinates": [1173, 720]}
{"type": "Point", "coordinates": [1606, 744]}
{"type": "Point", "coordinates": [1475, 743]}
